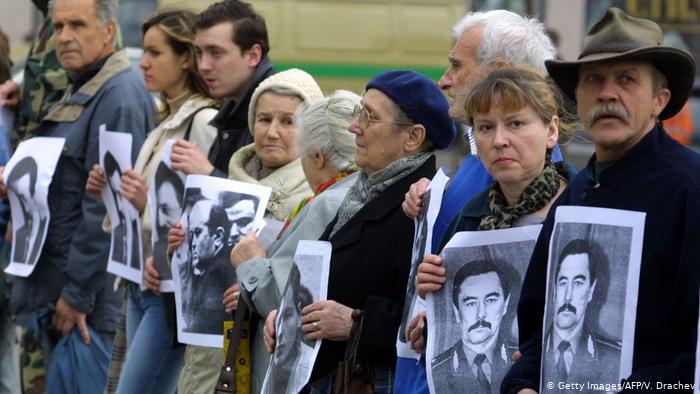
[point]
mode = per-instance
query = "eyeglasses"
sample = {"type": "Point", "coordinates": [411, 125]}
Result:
{"type": "Point", "coordinates": [364, 119]}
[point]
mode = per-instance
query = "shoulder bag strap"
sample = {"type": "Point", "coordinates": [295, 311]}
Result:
{"type": "Point", "coordinates": [227, 376]}
{"type": "Point", "coordinates": [189, 126]}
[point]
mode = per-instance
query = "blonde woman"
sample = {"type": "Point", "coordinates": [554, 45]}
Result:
{"type": "Point", "coordinates": [169, 67]}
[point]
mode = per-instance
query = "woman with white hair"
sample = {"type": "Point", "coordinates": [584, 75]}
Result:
{"type": "Point", "coordinates": [272, 160]}
{"type": "Point", "coordinates": [327, 151]}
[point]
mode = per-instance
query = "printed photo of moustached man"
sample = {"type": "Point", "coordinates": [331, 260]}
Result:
{"type": "Point", "coordinates": [583, 329]}
{"type": "Point", "coordinates": [592, 287]}
{"type": "Point", "coordinates": [472, 319]}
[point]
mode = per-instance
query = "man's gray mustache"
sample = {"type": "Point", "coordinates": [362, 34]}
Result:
{"type": "Point", "coordinates": [606, 109]}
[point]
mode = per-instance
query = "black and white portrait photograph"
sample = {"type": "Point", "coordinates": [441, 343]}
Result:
{"type": "Point", "coordinates": [592, 284]}
{"type": "Point", "coordinates": [472, 319]}
{"type": "Point", "coordinates": [28, 177]}
{"type": "Point", "coordinates": [126, 250]}
{"type": "Point", "coordinates": [423, 235]}
{"type": "Point", "coordinates": [216, 213]}
{"type": "Point", "coordinates": [166, 199]}
{"type": "Point", "coordinates": [294, 356]}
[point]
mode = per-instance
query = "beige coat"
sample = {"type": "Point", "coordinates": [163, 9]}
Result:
{"type": "Point", "coordinates": [174, 126]}
{"type": "Point", "coordinates": [287, 182]}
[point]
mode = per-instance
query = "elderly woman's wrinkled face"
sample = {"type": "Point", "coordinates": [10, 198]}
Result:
{"type": "Point", "coordinates": [513, 145]}
{"type": "Point", "coordinates": [274, 129]}
{"type": "Point", "coordinates": [382, 142]}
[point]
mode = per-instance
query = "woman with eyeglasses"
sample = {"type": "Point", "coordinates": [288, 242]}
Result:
{"type": "Point", "coordinates": [272, 160]}
{"type": "Point", "coordinates": [403, 118]}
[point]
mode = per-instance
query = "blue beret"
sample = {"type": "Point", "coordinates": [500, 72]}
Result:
{"type": "Point", "coordinates": [420, 99]}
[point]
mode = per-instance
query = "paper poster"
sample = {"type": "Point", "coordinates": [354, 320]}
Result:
{"type": "Point", "coordinates": [472, 321]}
{"type": "Point", "coordinates": [293, 360]}
{"type": "Point", "coordinates": [432, 200]}
{"type": "Point", "coordinates": [165, 201]}
{"type": "Point", "coordinates": [126, 248]}
{"type": "Point", "coordinates": [591, 305]}
{"type": "Point", "coordinates": [216, 214]}
{"type": "Point", "coordinates": [28, 176]}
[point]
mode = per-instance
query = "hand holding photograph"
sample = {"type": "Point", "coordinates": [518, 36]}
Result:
{"type": "Point", "coordinates": [216, 213]}
{"type": "Point", "coordinates": [126, 250]}
{"type": "Point", "coordinates": [294, 356]}
{"type": "Point", "coordinates": [592, 286]}
{"type": "Point", "coordinates": [165, 201]}
{"type": "Point", "coordinates": [471, 319]}
{"type": "Point", "coordinates": [423, 233]}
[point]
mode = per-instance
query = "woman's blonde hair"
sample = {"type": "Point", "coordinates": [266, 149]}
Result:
{"type": "Point", "coordinates": [511, 89]}
{"type": "Point", "coordinates": [177, 25]}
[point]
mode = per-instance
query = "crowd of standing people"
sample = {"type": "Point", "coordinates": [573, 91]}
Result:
{"type": "Point", "coordinates": [352, 170]}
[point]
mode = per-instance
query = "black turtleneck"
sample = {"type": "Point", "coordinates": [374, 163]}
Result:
{"type": "Point", "coordinates": [77, 81]}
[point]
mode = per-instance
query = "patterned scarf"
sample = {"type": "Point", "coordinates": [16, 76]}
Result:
{"type": "Point", "coordinates": [325, 185]}
{"type": "Point", "coordinates": [367, 187]}
{"type": "Point", "coordinates": [535, 197]}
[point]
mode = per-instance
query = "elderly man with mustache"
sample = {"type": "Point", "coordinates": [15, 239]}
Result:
{"type": "Point", "coordinates": [625, 84]}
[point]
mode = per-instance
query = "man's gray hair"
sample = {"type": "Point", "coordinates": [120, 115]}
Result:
{"type": "Point", "coordinates": [106, 10]}
{"type": "Point", "coordinates": [323, 127]}
{"type": "Point", "coordinates": [518, 40]}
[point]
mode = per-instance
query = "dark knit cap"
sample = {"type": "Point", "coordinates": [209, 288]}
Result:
{"type": "Point", "coordinates": [420, 99]}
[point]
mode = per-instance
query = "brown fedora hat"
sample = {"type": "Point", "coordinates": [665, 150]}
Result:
{"type": "Point", "coordinates": [620, 37]}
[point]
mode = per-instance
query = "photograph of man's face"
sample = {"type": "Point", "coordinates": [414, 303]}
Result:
{"type": "Point", "coordinates": [481, 305]}
{"type": "Point", "coordinates": [242, 217]}
{"type": "Point", "coordinates": [24, 189]}
{"type": "Point", "coordinates": [574, 290]}
{"type": "Point", "coordinates": [168, 211]}
{"type": "Point", "coordinates": [287, 357]}
{"type": "Point", "coordinates": [22, 181]}
{"type": "Point", "coordinates": [203, 244]}
{"type": "Point", "coordinates": [289, 340]}
{"type": "Point", "coordinates": [169, 197]}
{"type": "Point", "coordinates": [114, 174]}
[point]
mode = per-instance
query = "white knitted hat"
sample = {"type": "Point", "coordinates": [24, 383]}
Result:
{"type": "Point", "coordinates": [298, 81]}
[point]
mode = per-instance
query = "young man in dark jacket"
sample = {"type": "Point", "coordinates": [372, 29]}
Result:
{"type": "Point", "coordinates": [232, 45]}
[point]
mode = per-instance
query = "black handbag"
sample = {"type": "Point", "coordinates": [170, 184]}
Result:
{"type": "Point", "coordinates": [354, 375]}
